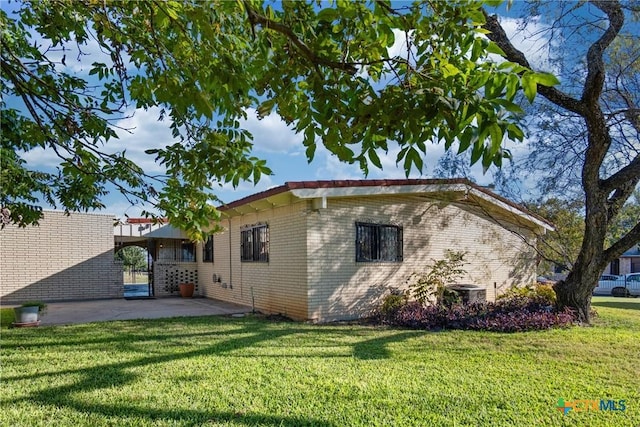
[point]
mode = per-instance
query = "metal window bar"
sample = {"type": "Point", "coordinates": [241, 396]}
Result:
{"type": "Point", "coordinates": [377, 242]}
{"type": "Point", "coordinates": [246, 249]}
{"type": "Point", "coordinates": [255, 244]}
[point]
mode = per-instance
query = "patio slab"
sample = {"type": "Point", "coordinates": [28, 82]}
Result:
{"type": "Point", "coordinates": [70, 312]}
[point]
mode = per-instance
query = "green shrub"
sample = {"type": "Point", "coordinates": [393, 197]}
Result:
{"type": "Point", "coordinates": [546, 292]}
{"type": "Point", "coordinates": [433, 282]}
{"type": "Point", "coordinates": [7, 317]}
{"type": "Point", "coordinates": [516, 291]}
{"type": "Point", "coordinates": [41, 305]}
{"type": "Point", "coordinates": [539, 292]}
{"type": "Point", "coordinates": [392, 303]}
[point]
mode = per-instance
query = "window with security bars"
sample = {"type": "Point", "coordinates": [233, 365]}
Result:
{"type": "Point", "coordinates": [378, 242]}
{"type": "Point", "coordinates": [207, 250]}
{"type": "Point", "coordinates": [255, 244]}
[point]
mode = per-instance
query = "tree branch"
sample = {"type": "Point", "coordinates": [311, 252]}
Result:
{"type": "Point", "coordinates": [257, 19]}
{"type": "Point", "coordinates": [629, 174]}
{"type": "Point", "coordinates": [624, 244]}
{"type": "Point", "coordinates": [595, 62]}
{"type": "Point", "coordinates": [499, 37]}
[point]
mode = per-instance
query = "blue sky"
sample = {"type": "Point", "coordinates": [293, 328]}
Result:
{"type": "Point", "coordinates": [273, 140]}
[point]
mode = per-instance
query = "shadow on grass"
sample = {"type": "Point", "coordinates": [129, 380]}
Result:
{"type": "Point", "coordinates": [116, 375]}
{"type": "Point", "coordinates": [377, 348]}
{"type": "Point", "coordinates": [119, 374]}
{"type": "Point", "coordinates": [123, 340]}
{"type": "Point", "coordinates": [622, 303]}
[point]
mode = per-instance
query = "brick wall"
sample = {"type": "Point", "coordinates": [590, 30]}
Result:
{"type": "Point", "coordinates": [312, 273]}
{"type": "Point", "coordinates": [277, 286]}
{"type": "Point", "coordinates": [340, 287]}
{"type": "Point", "coordinates": [64, 258]}
{"type": "Point", "coordinates": [168, 275]}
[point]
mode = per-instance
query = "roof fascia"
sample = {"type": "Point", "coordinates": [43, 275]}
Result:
{"type": "Point", "coordinates": [357, 191]}
{"type": "Point", "coordinates": [509, 208]}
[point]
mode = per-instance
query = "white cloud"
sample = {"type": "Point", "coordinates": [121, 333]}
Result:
{"type": "Point", "coordinates": [39, 158]}
{"type": "Point", "coordinates": [400, 46]}
{"type": "Point", "coordinates": [531, 39]}
{"type": "Point", "coordinates": [146, 132]}
{"type": "Point", "coordinates": [271, 134]}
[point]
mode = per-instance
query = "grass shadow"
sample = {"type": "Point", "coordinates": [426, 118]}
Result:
{"type": "Point", "coordinates": [252, 333]}
{"type": "Point", "coordinates": [114, 375]}
{"type": "Point", "coordinates": [621, 303]}
{"type": "Point", "coordinates": [377, 348]}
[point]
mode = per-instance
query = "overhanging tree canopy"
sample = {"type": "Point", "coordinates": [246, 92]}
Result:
{"type": "Point", "coordinates": [326, 71]}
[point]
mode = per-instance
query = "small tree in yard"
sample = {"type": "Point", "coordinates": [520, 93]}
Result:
{"type": "Point", "coordinates": [433, 282]}
{"type": "Point", "coordinates": [132, 257]}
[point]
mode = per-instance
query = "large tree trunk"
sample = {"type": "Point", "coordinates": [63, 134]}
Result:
{"type": "Point", "coordinates": [576, 290]}
{"type": "Point", "coordinates": [603, 197]}
{"type": "Point", "coordinates": [575, 293]}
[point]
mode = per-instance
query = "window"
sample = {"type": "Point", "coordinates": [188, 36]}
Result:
{"type": "Point", "coordinates": [376, 242]}
{"type": "Point", "coordinates": [175, 250]}
{"type": "Point", "coordinates": [615, 266]}
{"type": "Point", "coordinates": [207, 250]}
{"type": "Point", "coordinates": [254, 243]}
{"type": "Point", "coordinates": [188, 253]}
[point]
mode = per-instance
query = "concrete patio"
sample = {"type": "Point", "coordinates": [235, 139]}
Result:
{"type": "Point", "coordinates": [66, 313]}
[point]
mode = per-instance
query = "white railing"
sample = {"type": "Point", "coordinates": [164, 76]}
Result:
{"type": "Point", "coordinates": [135, 230]}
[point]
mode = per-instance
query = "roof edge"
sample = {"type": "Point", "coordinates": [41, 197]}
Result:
{"type": "Point", "coordinates": [298, 185]}
{"type": "Point", "coordinates": [322, 184]}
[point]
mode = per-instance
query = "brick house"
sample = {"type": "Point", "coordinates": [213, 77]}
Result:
{"type": "Point", "coordinates": [66, 257]}
{"type": "Point", "coordinates": [329, 250]}
{"type": "Point", "coordinates": [629, 262]}
{"type": "Point", "coordinates": [315, 250]}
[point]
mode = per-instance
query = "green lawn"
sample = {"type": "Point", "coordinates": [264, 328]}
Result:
{"type": "Point", "coordinates": [251, 371]}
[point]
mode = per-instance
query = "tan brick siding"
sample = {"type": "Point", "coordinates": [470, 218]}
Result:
{"type": "Point", "coordinates": [64, 258]}
{"type": "Point", "coordinates": [312, 273]}
{"type": "Point", "coordinates": [341, 288]}
{"type": "Point", "coordinates": [277, 286]}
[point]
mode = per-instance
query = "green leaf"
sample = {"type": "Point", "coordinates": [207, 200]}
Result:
{"type": "Point", "coordinates": [496, 138]}
{"type": "Point", "coordinates": [412, 158]}
{"type": "Point", "coordinates": [328, 15]}
{"type": "Point", "coordinates": [546, 79]}
{"type": "Point", "coordinates": [478, 149]}
{"type": "Point", "coordinates": [514, 132]}
{"type": "Point", "coordinates": [509, 106]}
{"type": "Point", "coordinates": [373, 156]}
{"type": "Point", "coordinates": [465, 140]}
{"type": "Point", "coordinates": [495, 49]}
{"type": "Point", "coordinates": [529, 85]}
{"type": "Point", "coordinates": [450, 70]}
{"type": "Point", "coordinates": [264, 109]}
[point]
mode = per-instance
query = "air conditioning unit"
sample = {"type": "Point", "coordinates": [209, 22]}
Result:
{"type": "Point", "coordinates": [470, 293]}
